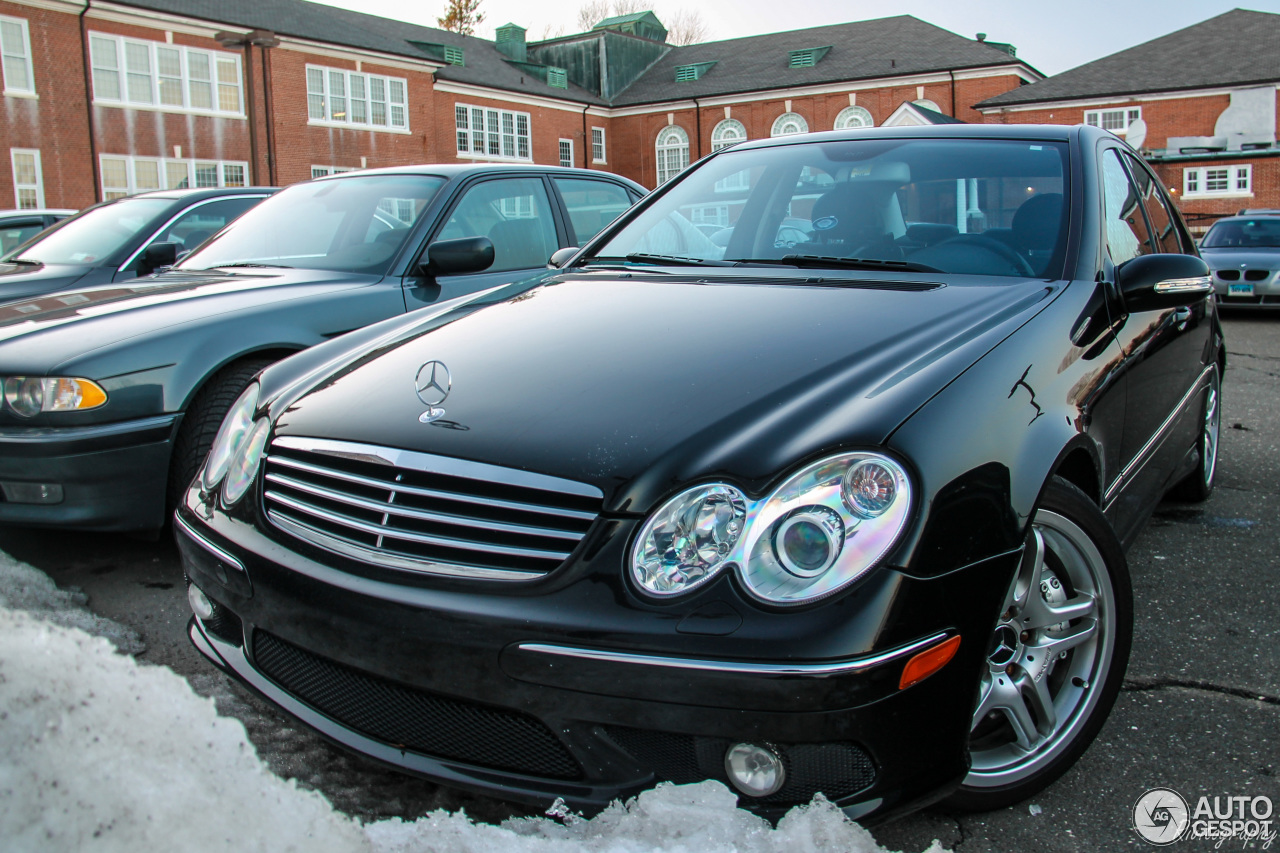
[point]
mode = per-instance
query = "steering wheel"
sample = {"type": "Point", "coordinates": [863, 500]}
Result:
{"type": "Point", "coordinates": [985, 244]}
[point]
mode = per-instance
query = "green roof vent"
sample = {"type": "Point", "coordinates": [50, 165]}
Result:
{"type": "Point", "coordinates": [692, 72]}
{"type": "Point", "coordinates": [453, 55]}
{"type": "Point", "coordinates": [510, 41]}
{"type": "Point", "coordinates": [557, 77]}
{"type": "Point", "coordinates": [807, 57]}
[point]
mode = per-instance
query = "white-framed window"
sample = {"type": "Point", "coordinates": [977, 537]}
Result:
{"type": "Point", "coordinates": [1117, 121]}
{"type": "Point", "coordinates": [28, 180]}
{"type": "Point", "coordinates": [597, 145]}
{"type": "Point", "coordinates": [485, 133]}
{"type": "Point", "coordinates": [1202, 181]}
{"type": "Point", "coordinates": [356, 99]}
{"type": "Point", "coordinates": [789, 123]}
{"type": "Point", "coordinates": [726, 133]}
{"type": "Point", "coordinates": [167, 77]}
{"type": "Point", "coordinates": [124, 175]}
{"type": "Point", "coordinates": [927, 104]}
{"type": "Point", "coordinates": [15, 46]}
{"type": "Point", "coordinates": [854, 117]}
{"type": "Point", "coordinates": [566, 153]}
{"type": "Point", "coordinates": [673, 152]}
{"type": "Point", "coordinates": [321, 171]}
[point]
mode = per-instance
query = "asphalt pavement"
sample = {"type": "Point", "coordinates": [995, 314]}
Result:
{"type": "Point", "coordinates": [1200, 711]}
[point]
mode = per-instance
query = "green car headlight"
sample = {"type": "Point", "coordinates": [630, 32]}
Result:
{"type": "Point", "coordinates": [231, 435]}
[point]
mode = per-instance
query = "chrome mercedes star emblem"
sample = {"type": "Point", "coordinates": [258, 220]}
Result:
{"type": "Point", "coordinates": [432, 383]}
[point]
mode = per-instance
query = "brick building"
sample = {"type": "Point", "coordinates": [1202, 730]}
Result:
{"type": "Point", "coordinates": [1199, 103]}
{"type": "Point", "coordinates": [107, 98]}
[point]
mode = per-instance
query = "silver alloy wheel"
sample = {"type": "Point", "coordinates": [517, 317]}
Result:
{"type": "Point", "coordinates": [1049, 658]}
{"type": "Point", "coordinates": [1212, 424]}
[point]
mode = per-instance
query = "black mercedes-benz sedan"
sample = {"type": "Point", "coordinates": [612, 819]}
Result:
{"type": "Point", "coordinates": [112, 393]}
{"type": "Point", "coordinates": [834, 502]}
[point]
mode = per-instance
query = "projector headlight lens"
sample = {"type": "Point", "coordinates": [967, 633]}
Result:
{"type": "Point", "coordinates": [244, 465]}
{"type": "Point", "coordinates": [686, 542]}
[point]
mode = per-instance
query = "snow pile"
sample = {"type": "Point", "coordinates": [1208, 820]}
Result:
{"type": "Point", "coordinates": [99, 753]}
{"type": "Point", "coordinates": [24, 587]}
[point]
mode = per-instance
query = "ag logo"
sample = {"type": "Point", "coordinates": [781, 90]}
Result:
{"type": "Point", "coordinates": [1161, 816]}
{"type": "Point", "coordinates": [432, 383]}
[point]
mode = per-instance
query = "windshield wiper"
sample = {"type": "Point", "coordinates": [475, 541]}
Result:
{"type": "Point", "coordinates": [676, 260]}
{"type": "Point", "coordinates": [248, 264]}
{"type": "Point", "coordinates": [25, 261]}
{"type": "Point", "coordinates": [823, 261]}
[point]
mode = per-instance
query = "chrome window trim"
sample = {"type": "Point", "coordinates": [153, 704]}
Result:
{"type": "Point", "coordinates": [181, 213]}
{"type": "Point", "coordinates": [396, 561]}
{"type": "Point", "coordinates": [852, 666]}
{"type": "Point", "coordinates": [446, 465]}
{"type": "Point", "coordinates": [200, 540]}
{"type": "Point", "coordinates": [1157, 438]}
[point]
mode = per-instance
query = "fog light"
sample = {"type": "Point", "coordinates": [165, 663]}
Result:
{"type": "Point", "coordinates": [32, 493]}
{"type": "Point", "coordinates": [756, 771]}
{"type": "Point", "coordinates": [200, 603]}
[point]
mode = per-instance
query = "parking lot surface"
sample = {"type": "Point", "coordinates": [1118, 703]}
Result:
{"type": "Point", "coordinates": [1200, 712]}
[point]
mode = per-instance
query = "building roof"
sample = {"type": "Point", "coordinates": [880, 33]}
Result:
{"type": "Point", "coordinates": [885, 47]}
{"type": "Point", "coordinates": [485, 65]}
{"type": "Point", "coordinates": [1236, 48]}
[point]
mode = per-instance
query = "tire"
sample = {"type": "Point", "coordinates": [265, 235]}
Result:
{"type": "Point", "coordinates": [1058, 656]}
{"type": "Point", "coordinates": [1198, 485]}
{"type": "Point", "coordinates": [203, 417]}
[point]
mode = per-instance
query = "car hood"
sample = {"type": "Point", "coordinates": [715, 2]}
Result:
{"type": "Point", "coordinates": [638, 385]}
{"type": "Point", "coordinates": [20, 281]}
{"type": "Point", "coordinates": [1254, 259]}
{"type": "Point", "coordinates": [41, 333]}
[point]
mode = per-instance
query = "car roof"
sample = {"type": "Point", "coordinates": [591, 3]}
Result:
{"type": "Point", "coordinates": [198, 194]}
{"type": "Point", "coordinates": [1247, 217]}
{"type": "Point", "coordinates": [450, 171]}
{"type": "Point", "coordinates": [39, 211]}
{"type": "Point", "coordinates": [1053, 132]}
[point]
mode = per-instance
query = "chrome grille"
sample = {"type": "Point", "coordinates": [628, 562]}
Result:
{"type": "Point", "coordinates": [424, 513]}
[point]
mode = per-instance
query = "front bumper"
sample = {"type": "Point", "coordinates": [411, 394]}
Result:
{"type": "Point", "coordinates": [1240, 291]}
{"type": "Point", "coordinates": [111, 476]}
{"type": "Point", "coordinates": [379, 667]}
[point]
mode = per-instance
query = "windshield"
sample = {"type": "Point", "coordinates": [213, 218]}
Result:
{"type": "Point", "coordinates": [978, 206]}
{"type": "Point", "coordinates": [1244, 234]}
{"type": "Point", "coordinates": [95, 235]}
{"type": "Point", "coordinates": [348, 224]}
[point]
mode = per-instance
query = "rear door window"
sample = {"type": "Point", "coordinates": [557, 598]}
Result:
{"type": "Point", "coordinates": [592, 205]}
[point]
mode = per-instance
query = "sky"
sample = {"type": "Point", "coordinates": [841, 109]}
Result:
{"type": "Point", "coordinates": [1052, 37]}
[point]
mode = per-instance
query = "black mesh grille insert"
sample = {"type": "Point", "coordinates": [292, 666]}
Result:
{"type": "Point", "coordinates": [835, 769]}
{"type": "Point", "coordinates": [1256, 275]}
{"type": "Point", "coordinates": [412, 719]}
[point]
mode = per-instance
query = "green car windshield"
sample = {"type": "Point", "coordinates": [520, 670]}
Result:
{"type": "Point", "coordinates": [95, 235]}
{"type": "Point", "coordinates": [354, 223]}
{"type": "Point", "coordinates": [965, 206]}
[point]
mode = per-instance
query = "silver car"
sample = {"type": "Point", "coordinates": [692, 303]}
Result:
{"type": "Point", "coordinates": [1244, 254]}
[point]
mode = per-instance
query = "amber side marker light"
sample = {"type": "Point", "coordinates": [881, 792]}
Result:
{"type": "Point", "coordinates": [928, 662]}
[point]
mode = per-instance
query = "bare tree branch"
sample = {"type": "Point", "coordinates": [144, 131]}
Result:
{"type": "Point", "coordinates": [686, 27]}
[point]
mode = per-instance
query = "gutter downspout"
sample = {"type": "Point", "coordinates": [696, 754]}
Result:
{"type": "Point", "coordinates": [697, 119]}
{"type": "Point", "coordinates": [271, 136]}
{"type": "Point", "coordinates": [249, 108]}
{"type": "Point", "coordinates": [586, 140]}
{"type": "Point", "coordinates": [953, 94]}
{"type": "Point", "coordinates": [88, 101]}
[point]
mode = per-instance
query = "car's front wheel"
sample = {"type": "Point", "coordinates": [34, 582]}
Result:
{"type": "Point", "coordinates": [1057, 657]}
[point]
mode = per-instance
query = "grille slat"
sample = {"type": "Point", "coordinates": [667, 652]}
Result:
{"type": "Point", "coordinates": [413, 719]}
{"type": "Point", "coordinates": [435, 515]}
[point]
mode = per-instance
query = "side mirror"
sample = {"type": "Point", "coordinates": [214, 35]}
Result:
{"type": "Point", "coordinates": [560, 257]}
{"type": "Point", "coordinates": [454, 257]}
{"type": "Point", "coordinates": [1154, 282]}
{"type": "Point", "coordinates": [157, 255]}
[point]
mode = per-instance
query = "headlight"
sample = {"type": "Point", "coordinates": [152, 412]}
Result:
{"type": "Point", "coordinates": [686, 542]}
{"type": "Point", "coordinates": [826, 526]}
{"type": "Point", "coordinates": [231, 435]}
{"type": "Point", "coordinates": [244, 465]}
{"type": "Point", "coordinates": [28, 396]}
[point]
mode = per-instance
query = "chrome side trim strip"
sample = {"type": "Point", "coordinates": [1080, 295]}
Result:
{"type": "Point", "coordinates": [1144, 455]}
{"type": "Point", "coordinates": [200, 540]}
{"type": "Point", "coordinates": [439, 465]}
{"type": "Point", "coordinates": [41, 435]}
{"type": "Point", "coordinates": [769, 670]}
{"type": "Point", "coordinates": [396, 561]}
{"type": "Point", "coordinates": [420, 514]}
{"type": "Point", "coordinates": [426, 493]}
{"type": "Point", "coordinates": [409, 536]}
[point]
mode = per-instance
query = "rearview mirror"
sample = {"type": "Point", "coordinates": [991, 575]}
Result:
{"type": "Point", "coordinates": [454, 257]}
{"type": "Point", "coordinates": [560, 257]}
{"type": "Point", "coordinates": [1153, 282]}
{"type": "Point", "coordinates": [157, 255]}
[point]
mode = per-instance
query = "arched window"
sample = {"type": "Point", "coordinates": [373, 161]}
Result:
{"type": "Point", "coordinates": [854, 117]}
{"type": "Point", "coordinates": [673, 152]}
{"type": "Point", "coordinates": [727, 132]}
{"type": "Point", "coordinates": [789, 123]}
{"type": "Point", "coordinates": [927, 104]}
